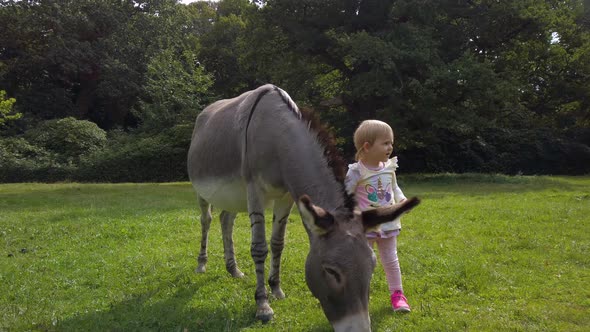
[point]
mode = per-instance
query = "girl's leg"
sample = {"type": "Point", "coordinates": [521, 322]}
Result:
{"type": "Point", "coordinates": [388, 253]}
{"type": "Point", "coordinates": [390, 262]}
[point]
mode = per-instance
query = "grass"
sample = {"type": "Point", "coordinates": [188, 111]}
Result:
{"type": "Point", "coordinates": [482, 253]}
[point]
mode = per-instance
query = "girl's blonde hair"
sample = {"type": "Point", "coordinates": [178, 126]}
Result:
{"type": "Point", "coordinates": [368, 131]}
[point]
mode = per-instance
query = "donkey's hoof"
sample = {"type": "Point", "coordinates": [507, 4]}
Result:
{"type": "Point", "coordinates": [278, 293]}
{"type": "Point", "coordinates": [201, 268]}
{"type": "Point", "coordinates": [264, 313]}
{"type": "Point", "coordinates": [236, 273]}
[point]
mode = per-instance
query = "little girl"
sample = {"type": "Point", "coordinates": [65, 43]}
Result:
{"type": "Point", "coordinates": [372, 180]}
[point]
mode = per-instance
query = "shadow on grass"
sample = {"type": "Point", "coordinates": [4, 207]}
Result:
{"type": "Point", "coordinates": [380, 317]}
{"type": "Point", "coordinates": [175, 313]}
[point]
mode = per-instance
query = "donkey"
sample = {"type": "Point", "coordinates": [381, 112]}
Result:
{"type": "Point", "coordinates": [257, 148]}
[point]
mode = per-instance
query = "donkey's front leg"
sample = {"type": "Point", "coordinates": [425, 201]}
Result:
{"type": "Point", "coordinates": [205, 224]}
{"type": "Point", "coordinates": [281, 211]}
{"type": "Point", "coordinates": [259, 251]}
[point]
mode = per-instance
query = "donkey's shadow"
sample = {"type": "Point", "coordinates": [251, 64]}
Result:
{"type": "Point", "coordinates": [143, 312]}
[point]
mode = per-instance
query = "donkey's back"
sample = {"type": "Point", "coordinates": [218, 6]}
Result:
{"type": "Point", "coordinates": [214, 156]}
{"type": "Point", "coordinates": [218, 148]}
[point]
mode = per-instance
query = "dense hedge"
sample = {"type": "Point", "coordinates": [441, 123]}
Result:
{"type": "Point", "coordinates": [47, 154]}
{"type": "Point", "coordinates": [500, 151]}
{"type": "Point", "coordinates": [140, 158]}
{"type": "Point", "coordinates": [20, 161]}
{"type": "Point", "coordinates": [59, 151]}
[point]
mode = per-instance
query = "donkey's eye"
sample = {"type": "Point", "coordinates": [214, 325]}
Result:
{"type": "Point", "coordinates": [333, 273]}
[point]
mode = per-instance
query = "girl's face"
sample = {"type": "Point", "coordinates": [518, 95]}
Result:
{"type": "Point", "coordinates": [379, 151]}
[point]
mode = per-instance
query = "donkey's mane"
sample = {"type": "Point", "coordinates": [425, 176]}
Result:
{"type": "Point", "coordinates": [333, 156]}
{"type": "Point", "coordinates": [287, 100]}
{"type": "Point", "coordinates": [326, 139]}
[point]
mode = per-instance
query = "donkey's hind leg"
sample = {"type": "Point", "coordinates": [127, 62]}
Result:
{"type": "Point", "coordinates": [281, 211]}
{"type": "Point", "coordinates": [227, 229]}
{"type": "Point", "coordinates": [205, 224]}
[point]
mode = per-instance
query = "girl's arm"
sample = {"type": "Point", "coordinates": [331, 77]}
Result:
{"type": "Point", "coordinates": [398, 195]}
{"type": "Point", "coordinates": [352, 178]}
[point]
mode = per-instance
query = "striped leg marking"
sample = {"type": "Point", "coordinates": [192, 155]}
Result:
{"type": "Point", "coordinates": [227, 229]}
{"type": "Point", "coordinates": [281, 212]}
{"type": "Point", "coordinates": [277, 243]}
{"type": "Point", "coordinates": [259, 251]}
{"type": "Point", "coordinates": [205, 224]}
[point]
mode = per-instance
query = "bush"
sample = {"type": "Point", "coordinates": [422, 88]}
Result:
{"type": "Point", "coordinates": [543, 153]}
{"type": "Point", "coordinates": [136, 157]}
{"type": "Point", "coordinates": [499, 150]}
{"type": "Point", "coordinates": [20, 161]}
{"type": "Point", "coordinates": [68, 138]}
{"type": "Point", "coordinates": [140, 158]}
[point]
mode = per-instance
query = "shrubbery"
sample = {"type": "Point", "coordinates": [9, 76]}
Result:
{"type": "Point", "coordinates": [21, 161]}
{"type": "Point", "coordinates": [73, 151]}
{"type": "Point", "coordinates": [68, 138]}
{"type": "Point", "coordinates": [142, 157]}
{"type": "Point", "coordinates": [500, 151]}
{"type": "Point", "coordinates": [49, 152]}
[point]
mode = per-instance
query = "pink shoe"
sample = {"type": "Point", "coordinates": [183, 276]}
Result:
{"type": "Point", "coordinates": [399, 302]}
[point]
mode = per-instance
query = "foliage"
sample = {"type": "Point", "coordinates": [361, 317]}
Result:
{"type": "Point", "coordinates": [465, 84]}
{"type": "Point", "coordinates": [49, 152]}
{"type": "Point", "coordinates": [68, 150]}
{"type": "Point", "coordinates": [431, 68]}
{"type": "Point", "coordinates": [499, 150]}
{"type": "Point", "coordinates": [6, 109]}
{"type": "Point", "coordinates": [102, 257]}
{"type": "Point", "coordinates": [23, 162]}
{"type": "Point", "coordinates": [84, 58]}
{"type": "Point", "coordinates": [220, 53]}
{"type": "Point", "coordinates": [68, 138]}
{"type": "Point", "coordinates": [61, 56]}
{"type": "Point", "coordinates": [176, 90]}
{"type": "Point", "coordinates": [139, 158]}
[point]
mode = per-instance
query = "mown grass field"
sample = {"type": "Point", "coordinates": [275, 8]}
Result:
{"type": "Point", "coordinates": [481, 253]}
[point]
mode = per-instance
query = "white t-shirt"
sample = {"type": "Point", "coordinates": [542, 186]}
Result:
{"type": "Point", "coordinates": [375, 188]}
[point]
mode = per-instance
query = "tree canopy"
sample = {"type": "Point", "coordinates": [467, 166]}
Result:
{"type": "Point", "coordinates": [468, 86]}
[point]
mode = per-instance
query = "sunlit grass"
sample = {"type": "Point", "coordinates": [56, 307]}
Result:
{"type": "Point", "coordinates": [482, 253]}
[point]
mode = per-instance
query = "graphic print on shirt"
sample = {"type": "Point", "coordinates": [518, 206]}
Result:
{"type": "Point", "coordinates": [378, 196]}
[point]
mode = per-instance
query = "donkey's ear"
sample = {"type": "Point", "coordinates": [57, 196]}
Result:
{"type": "Point", "coordinates": [372, 218]}
{"type": "Point", "coordinates": [316, 220]}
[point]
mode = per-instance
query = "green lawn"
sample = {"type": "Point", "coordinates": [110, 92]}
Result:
{"type": "Point", "coordinates": [481, 253]}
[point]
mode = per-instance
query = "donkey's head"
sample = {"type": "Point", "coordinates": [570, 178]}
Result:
{"type": "Point", "coordinates": [340, 263]}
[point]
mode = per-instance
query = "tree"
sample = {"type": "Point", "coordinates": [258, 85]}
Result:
{"type": "Point", "coordinates": [6, 109]}
{"type": "Point", "coordinates": [176, 90]}
{"type": "Point", "coordinates": [220, 53]}
{"type": "Point", "coordinates": [462, 69]}
{"type": "Point", "coordinates": [86, 58]}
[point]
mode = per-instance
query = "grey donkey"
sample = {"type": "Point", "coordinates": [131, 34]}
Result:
{"type": "Point", "coordinates": [258, 148]}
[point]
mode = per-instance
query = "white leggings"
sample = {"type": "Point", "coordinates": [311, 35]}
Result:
{"type": "Point", "coordinates": [388, 253]}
